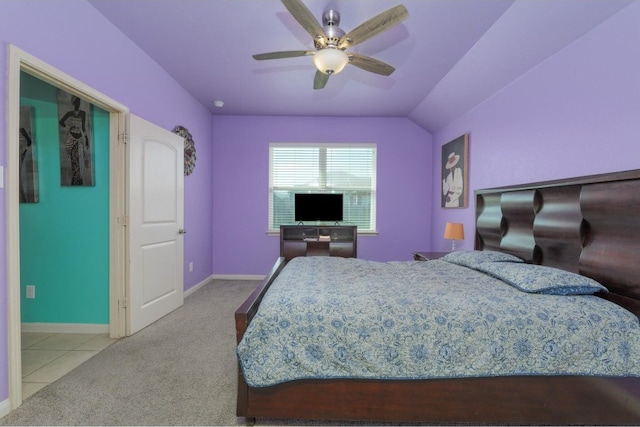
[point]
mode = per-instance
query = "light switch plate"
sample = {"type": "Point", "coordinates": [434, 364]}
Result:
{"type": "Point", "coordinates": [1, 176]}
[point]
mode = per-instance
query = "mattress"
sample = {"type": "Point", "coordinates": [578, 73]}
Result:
{"type": "Point", "coordinates": [326, 317]}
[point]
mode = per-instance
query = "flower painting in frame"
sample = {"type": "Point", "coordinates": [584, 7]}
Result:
{"type": "Point", "coordinates": [455, 173]}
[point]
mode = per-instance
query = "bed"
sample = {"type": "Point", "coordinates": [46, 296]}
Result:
{"type": "Point", "coordinates": [588, 227]}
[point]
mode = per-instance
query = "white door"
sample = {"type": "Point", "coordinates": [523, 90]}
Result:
{"type": "Point", "coordinates": [156, 216]}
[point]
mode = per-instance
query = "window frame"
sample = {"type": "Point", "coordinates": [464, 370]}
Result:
{"type": "Point", "coordinates": [373, 188]}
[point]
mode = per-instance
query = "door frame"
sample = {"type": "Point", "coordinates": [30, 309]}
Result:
{"type": "Point", "coordinates": [19, 60]}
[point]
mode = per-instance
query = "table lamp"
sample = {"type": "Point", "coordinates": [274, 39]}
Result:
{"type": "Point", "coordinates": [454, 231]}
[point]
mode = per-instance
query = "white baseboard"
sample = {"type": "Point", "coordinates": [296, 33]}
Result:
{"type": "Point", "coordinates": [65, 328]}
{"type": "Point", "coordinates": [5, 408]}
{"type": "Point", "coordinates": [221, 277]}
{"type": "Point", "coordinates": [197, 286]}
{"type": "Point", "coordinates": [238, 276]}
{"type": "Point", "coordinates": [88, 328]}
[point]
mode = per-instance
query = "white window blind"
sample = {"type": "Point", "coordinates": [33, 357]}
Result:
{"type": "Point", "coordinates": [348, 169]}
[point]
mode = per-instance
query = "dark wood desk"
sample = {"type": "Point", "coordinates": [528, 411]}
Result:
{"type": "Point", "coordinates": [321, 240]}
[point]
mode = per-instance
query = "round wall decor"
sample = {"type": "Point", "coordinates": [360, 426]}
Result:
{"type": "Point", "coordinates": [189, 149]}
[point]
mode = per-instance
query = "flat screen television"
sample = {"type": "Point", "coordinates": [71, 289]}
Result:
{"type": "Point", "coordinates": [318, 207]}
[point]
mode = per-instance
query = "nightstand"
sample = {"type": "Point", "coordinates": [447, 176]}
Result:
{"type": "Point", "coordinates": [426, 256]}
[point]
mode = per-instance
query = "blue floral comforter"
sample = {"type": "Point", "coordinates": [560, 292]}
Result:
{"type": "Point", "coordinates": [330, 317]}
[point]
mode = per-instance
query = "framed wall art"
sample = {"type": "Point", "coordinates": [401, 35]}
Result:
{"type": "Point", "coordinates": [76, 146]}
{"type": "Point", "coordinates": [455, 173]}
{"type": "Point", "coordinates": [28, 160]}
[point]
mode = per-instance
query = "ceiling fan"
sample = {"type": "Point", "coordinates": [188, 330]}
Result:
{"type": "Point", "coordinates": [331, 41]}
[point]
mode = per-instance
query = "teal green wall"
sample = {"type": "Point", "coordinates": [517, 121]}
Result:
{"type": "Point", "coordinates": [64, 238]}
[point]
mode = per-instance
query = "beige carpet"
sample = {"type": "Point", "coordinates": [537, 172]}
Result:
{"type": "Point", "coordinates": [180, 370]}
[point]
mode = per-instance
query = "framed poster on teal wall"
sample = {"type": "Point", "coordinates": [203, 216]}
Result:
{"type": "Point", "coordinates": [76, 145]}
{"type": "Point", "coordinates": [28, 159]}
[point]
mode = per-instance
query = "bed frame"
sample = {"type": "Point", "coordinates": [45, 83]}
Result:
{"type": "Point", "coordinates": [589, 225]}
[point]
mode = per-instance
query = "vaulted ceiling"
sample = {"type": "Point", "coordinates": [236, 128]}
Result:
{"type": "Point", "coordinates": [449, 55]}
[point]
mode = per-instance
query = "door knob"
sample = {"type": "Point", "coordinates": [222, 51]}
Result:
{"type": "Point", "coordinates": [182, 231]}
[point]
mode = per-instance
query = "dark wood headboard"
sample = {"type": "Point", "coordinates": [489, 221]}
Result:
{"type": "Point", "coordinates": [588, 225]}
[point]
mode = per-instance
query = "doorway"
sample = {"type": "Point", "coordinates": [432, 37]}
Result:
{"type": "Point", "coordinates": [20, 61]}
{"type": "Point", "coordinates": [64, 276]}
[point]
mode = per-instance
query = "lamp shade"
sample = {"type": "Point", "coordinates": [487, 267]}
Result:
{"type": "Point", "coordinates": [454, 231]}
{"type": "Point", "coordinates": [330, 60]}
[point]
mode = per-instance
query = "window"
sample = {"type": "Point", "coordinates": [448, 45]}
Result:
{"type": "Point", "coordinates": [349, 169]}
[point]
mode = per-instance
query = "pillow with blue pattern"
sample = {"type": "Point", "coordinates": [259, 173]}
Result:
{"type": "Point", "coordinates": [472, 259]}
{"type": "Point", "coordinates": [541, 279]}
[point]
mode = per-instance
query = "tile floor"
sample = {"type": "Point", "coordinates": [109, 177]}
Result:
{"type": "Point", "coordinates": [49, 356]}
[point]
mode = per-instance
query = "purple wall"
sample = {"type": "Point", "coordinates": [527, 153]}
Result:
{"type": "Point", "coordinates": [73, 37]}
{"type": "Point", "coordinates": [241, 180]}
{"type": "Point", "coordinates": [576, 114]}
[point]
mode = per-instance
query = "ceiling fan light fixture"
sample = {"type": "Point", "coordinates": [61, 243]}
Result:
{"type": "Point", "coordinates": [330, 60]}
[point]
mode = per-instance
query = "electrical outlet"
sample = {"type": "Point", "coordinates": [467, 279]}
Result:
{"type": "Point", "coordinates": [190, 267]}
{"type": "Point", "coordinates": [31, 291]}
